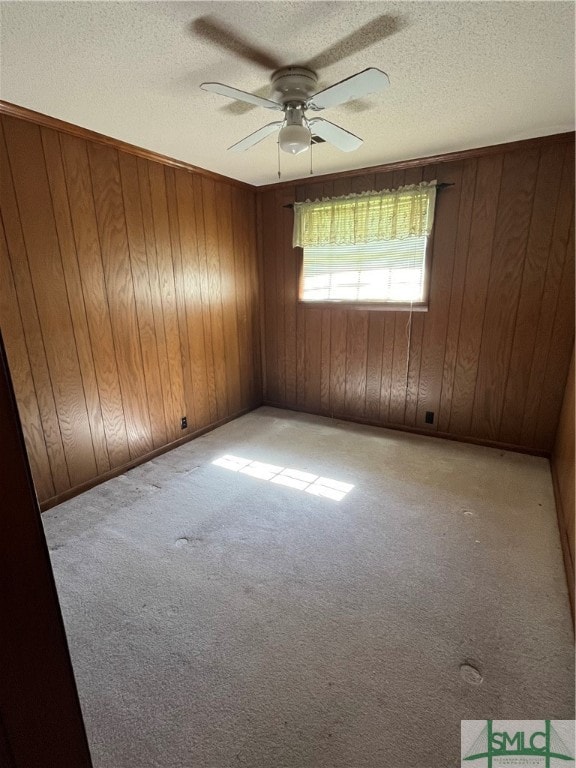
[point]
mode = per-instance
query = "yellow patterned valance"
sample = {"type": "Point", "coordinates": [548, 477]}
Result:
{"type": "Point", "coordinates": [389, 215]}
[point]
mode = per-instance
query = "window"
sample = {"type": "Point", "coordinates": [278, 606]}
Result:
{"type": "Point", "coordinates": [382, 271]}
{"type": "Point", "coordinates": [367, 249]}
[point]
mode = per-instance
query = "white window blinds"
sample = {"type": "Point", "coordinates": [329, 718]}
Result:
{"type": "Point", "coordinates": [366, 248]}
{"type": "Point", "coordinates": [382, 271]}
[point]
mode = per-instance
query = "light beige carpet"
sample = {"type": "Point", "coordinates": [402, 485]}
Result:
{"type": "Point", "coordinates": [226, 615]}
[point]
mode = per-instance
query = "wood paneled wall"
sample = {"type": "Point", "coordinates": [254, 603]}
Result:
{"type": "Point", "coordinates": [491, 355]}
{"type": "Point", "coordinates": [563, 476]}
{"type": "Point", "coordinates": [129, 298]}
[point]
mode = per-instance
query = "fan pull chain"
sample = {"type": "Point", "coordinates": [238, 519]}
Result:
{"type": "Point", "coordinates": [311, 171]}
{"type": "Point", "coordinates": [278, 147]}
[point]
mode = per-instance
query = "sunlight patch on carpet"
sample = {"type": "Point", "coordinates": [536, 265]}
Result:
{"type": "Point", "coordinates": [291, 478]}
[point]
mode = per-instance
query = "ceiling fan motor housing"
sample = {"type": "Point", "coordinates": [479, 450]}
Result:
{"type": "Point", "coordinates": [293, 84]}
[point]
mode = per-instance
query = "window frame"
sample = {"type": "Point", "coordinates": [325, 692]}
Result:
{"type": "Point", "coordinates": [383, 306]}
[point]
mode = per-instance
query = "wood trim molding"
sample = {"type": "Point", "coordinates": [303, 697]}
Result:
{"type": "Point", "coordinates": [23, 113]}
{"type": "Point", "coordinates": [416, 431]}
{"type": "Point", "coordinates": [449, 157]}
{"type": "Point", "coordinates": [261, 307]}
{"type": "Point", "coordinates": [71, 492]}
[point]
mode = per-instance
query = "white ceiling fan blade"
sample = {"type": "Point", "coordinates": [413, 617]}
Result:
{"type": "Point", "coordinates": [368, 81]}
{"type": "Point", "coordinates": [234, 93]}
{"type": "Point", "coordinates": [257, 136]}
{"type": "Point", "coordinates": [335, 135]}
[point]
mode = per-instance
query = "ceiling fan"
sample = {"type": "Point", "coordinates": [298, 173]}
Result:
{"type": "Point", "coordinates": [294, 88]}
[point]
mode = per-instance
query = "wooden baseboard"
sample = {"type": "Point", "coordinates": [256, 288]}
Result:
{"type": "Point", "coordinates": [78, 489]}
{"type": "Point", "coordinates": [416, 431]}
{"type": "Point", "coordinates": [568, 562]}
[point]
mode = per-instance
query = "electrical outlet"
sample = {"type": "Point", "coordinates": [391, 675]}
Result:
{"type": "Point", "coordinates": [183, 422]}
{"type": "Point", "coordinates": [429, 418]}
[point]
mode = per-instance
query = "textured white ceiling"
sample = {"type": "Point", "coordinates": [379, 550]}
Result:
{"type": "Point", "coordinates": [463, 74]}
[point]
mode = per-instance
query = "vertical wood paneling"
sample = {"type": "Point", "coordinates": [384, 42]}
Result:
{"type": "Point", "coordinates": [338, 335]}
{"type": "Point", "coordinates": [43, 251]}
{"type": "Point", "coordinates": [291, 296]}
{"type": "Point", "coordinates": [356, 361]}
{"type": "Point", "coordinates": [228, 295]}
{"type": "Point", "coordinates": [63, 222]}
{"type": "Point", "coordinates": [215, 293]}
{"type": "Point", "coordinates": [387, 361]}
{"type": "Point", "coordinates": [270, 260]}
{"type": "Point", "coordinates": [132, 298]}
{"type": "Point", "coordinates": [280, 301]}
{"type": "Point", "coordinates": [129, 299]}
{"type": "Point", "coordinates": [240, 278]}
{"type": "Point", "coordinates": [191, 296]}
{"type": "Point", "coordinates": [255, 299]}
{"type": "Point", "coordinates": [109, 208]}
{"type": "Point", "coordinates": [465, 212]}
{"type": "Point", "coordinates": [188, 406]}
{"type": "Point", "coordinates": [205, 296]}
{"type": "Point", "coordinates": [479, 257]}
{"type": "Point", "coordinates": [32, 339]}
{"type": "Point", "coordinates": [21, 374]}
{"type": "Point", "coordinates": [156, 298]}
{"type": "Point", "coordinates": [312, 374]}
{"type": "Point", "coordinates": [81, 201]}
{"type": "Point", "coordinates": [436, 320]}
{"type": "Point", "coordinates": [484, 358]}
{"type": "Point", "coordinates": [510, 238]}
{"type": "Point", "coordinates": [552, 282]}
{"type": "Point", "coordinates": [374, 365]}
{"type": "Point", "coordinates": [325, 363]}
{"type": "Point", "coordinates": [248, 320]}
{"type": "Point", "coordinates": [167, 294]}
{"type": "Point", "coordinates": [143, 297]}
{"type": "Point", "coordinates": [536, 261]}
{"type": "Point", "coordinates": [399, 368]}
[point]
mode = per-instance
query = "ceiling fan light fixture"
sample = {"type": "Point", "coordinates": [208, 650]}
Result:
{"type": "Point", "coordinates": [294, 139]}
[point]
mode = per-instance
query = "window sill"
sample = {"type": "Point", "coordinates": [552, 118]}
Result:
{"type": "Point", "coordinates": [373, 305]}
